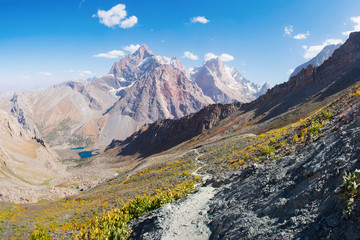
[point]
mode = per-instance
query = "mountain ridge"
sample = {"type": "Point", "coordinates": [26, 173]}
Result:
{"type": "Point", "coordinates": [276, 101]}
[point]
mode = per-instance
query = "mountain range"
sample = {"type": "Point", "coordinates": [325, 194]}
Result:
{"type": "Point", "coordinates": [140, 88]}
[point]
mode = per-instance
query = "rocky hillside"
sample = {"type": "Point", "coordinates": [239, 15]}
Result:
{"type": "Point", "coordinates": [27, 163]}
{"type": "Point", "coordinates": [294, 194]}
{"type": "Point", "coordinates": [57, 113]}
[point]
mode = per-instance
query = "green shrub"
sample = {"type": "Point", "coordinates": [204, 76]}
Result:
{"type": "Point", "coordinates": [39, 234]}
{"type": "Point", "coordinates": [314, 128]}
{"type": "Point", "coordinates": [113, 224]}
{"type": "Point", "coordinates": [267, 150]}
{"type": "Point", "coordinates": [349, 189]}
{"type": "Point", "coordinates": [327, 114]}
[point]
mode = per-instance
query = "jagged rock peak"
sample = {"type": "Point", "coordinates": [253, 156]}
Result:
{"type": "Point", "coordinates": [143, 52]}
{"type": "Point", "coordinates": [213, 62]}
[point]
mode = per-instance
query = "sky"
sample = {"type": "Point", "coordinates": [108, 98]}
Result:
{"type": "Point", "coordinates": [44, 42]}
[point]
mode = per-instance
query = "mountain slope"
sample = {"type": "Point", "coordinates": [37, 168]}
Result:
{"type": "Point", "coordinates": [26, 162]}
{"type": "Point", "coordinates": [58, 112]}
{"type": "Point", "coordinates": [316, 61]}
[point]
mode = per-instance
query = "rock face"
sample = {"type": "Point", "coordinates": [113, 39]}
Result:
{"type": "Point", "coordinates": [324, 55]}
{"type": "Point", "coordinates": [162, 93]}
{"type": "Point", "coordinates": [225, 84]}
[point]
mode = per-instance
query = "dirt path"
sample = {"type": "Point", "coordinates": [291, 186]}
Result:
{"type": "Point", "coordinates": [184, 219]}
{"type": "Point", "coordinates": [188, 219]}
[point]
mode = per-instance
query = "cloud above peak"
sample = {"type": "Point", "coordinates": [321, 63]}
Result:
{"type": "Point", "coordinates": [302, 36]}
{"type": "Point", "coordinates": [190, 55]}
{"type": "Point", "coordinates": [312, 51]}
{"type": "Point", "coordinates": [199, 19]}
{"type": "Point", "coordinates": [131, 48]}
{"type": "Point", "coordinates": [356, 22]}
{"type": "Point", "coordinates": [116, 16]}
{"type": "Point", "coordinates": [45, 73]}
{"type": "Point", "coordinates": [111, 54]}
{"type": "Point", "coordinates": [209, 56]}
{"type": "Point", "coordinates": [226, 57]}
{"type": "Point", "coordinates": [223, 57]}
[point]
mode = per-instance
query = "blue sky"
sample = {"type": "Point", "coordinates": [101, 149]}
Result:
{"type": "Point", "coordinates": [43, 42]}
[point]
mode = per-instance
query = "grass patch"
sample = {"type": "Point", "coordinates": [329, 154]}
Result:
{"type": "Point", "coordinates": [113, 224]}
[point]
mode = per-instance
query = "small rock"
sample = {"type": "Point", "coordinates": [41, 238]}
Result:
{"type": "Point", "coordinates": [332, 220]}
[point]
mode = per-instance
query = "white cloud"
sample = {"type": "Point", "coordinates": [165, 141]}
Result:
{"type": "Point", "coordinates": [190, 55]}
{"type": "Point", "coordinates": [290, 71]}
{"type": "Point", "coordinates": [209, 56]}
{"type": "Point", "coordinates": [312, 51]}
{"type": "Point", "coordinates": [199, 19]}
{"type": "Point", "coordinates": [45, 73]}
{"type": "Point", "coordinates": [223, 57]}
{"type": "Point", "coordinates": [226, 57]}
{"type": "Point", "coordinates": [356, 21]}
{"type": "Point", "coordinates": [129, 22]}
{"type": "Point", "coordinates": [69, 71]}
{"type": "Point", "coordinates": [111, 54]}
{"type": "Point", "coordinates": [25, 77]}
{"type": "Point", "coordinates": [131, 48]}
{"type": "Point", "coordinates": [86, 73]}
{"type": "Point", "coordinates": [116, 16]}
{"type": "Point", "coordinates": [288, 30]}
{"type": "Point", "coordinates": [302, 36]}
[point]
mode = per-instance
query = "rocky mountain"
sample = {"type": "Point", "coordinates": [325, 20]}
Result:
{"type": "Point", "coordinates": [316, 61]}
{"type": "Point", "coordinates": [224, 84]}
{"type": "Point", "coordinates": [157, 89]}
{"type": "Point", "coordinates": [311, 86]}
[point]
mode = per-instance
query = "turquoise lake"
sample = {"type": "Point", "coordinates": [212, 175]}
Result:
{"type": "Point", "coordinates": [87, 154]}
